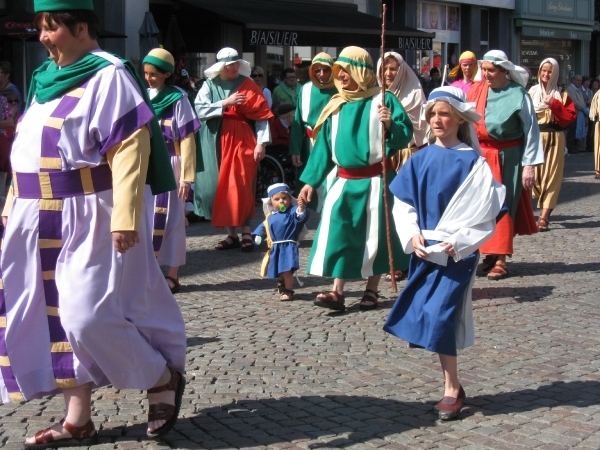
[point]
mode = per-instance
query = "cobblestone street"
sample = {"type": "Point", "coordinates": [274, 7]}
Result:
{"type": "Point", "coordinates": [269, 374]}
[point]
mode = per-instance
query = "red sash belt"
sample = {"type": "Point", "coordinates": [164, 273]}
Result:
{"type": "Point", "coordinates": [233, 115]}
{"type": "Point", "coordinates": [309, 133]}
{"type": "Point", "coordinates": [364, 172]}
{"type": "Point", "coordinates": [500, 145]}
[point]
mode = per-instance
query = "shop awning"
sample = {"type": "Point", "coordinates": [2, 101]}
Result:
{"type": "Point", "coordinates": [310, 23]}
{"type": "Point", "coordinates": [555, 30]}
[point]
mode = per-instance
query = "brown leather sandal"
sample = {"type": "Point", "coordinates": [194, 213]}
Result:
{"type": "Point", "coordinates": [176, 286]}
{"type": "Point", "coordinates": [247, 244]}
{"type": "Point", "coordinates": [499, 272]}
{"type": "Point", "coordinates": [228, 243]}
{"type": "Point", "coordinates": [286, 295]}
{"type": "Point", "coordinates": [489, 262]}
{"type": "Point", "coordinates": [542, 225]}
{"type": "Point", "coordinates": [83, 436]}
{"type": "Point", "coordinates": [162, 411]}
{"type": "Point", "coordinates": [369, 300]}
{"type": "Point", "coordinates": [331, 300]}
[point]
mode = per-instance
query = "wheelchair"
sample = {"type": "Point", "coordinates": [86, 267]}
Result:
{"type": "Point", "coordinates": [276, 167]}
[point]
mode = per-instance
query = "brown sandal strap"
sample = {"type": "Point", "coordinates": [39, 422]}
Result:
{"type": "Point", "coordinates": [332, 297]}
{"type": "Point", "coordinates": [172, 385]}
{"type": "Point", "coordinates": [160, 411]}
{"type": "Point", "coordinates": [84, 431]}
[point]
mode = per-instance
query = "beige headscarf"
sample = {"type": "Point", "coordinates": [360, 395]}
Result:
{"type": "Point", "coordinates": [358, 63]}
{"type": "Point", "coordinates": [325, 60]}
{"type": "Point", "coordinates": [407, 88]}
{"type": "Point", "coordinates": [538, 92]}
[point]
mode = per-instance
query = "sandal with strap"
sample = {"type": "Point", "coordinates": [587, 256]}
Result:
{"type": "Point", "coordinates": [286, 294]}
{"type": "Point", "coordinates": [176, 286]}
{"type": "Point", "coordinates": [83, 436]}
{"type": "Point", "coordinates": [331, 300]}
{"type": "Point", "coordinates": [489, 262]}
{"type": "Point", "coordinates": [371, 299]}
{"type": "Point", "coordinates": [228, 243]}
{"type": "Point", "coordinates": [247, 244]}
{"type": "Point", "coordinates": [398, 275]}
{"type": "Point", "coordinates": [162, 411]}
{"type": "Point", "coordinates": [499, 272]}
{"type": "Point", "coordinates": [597, 176]}
{"type": "Point", "coordinates": [542, 225]}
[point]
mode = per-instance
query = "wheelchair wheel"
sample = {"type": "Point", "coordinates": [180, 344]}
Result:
{"type": "Point", "coordinates": [269, 172]}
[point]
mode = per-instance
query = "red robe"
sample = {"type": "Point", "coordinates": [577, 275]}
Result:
{"type": "Point", "coordinates": [234, 199]}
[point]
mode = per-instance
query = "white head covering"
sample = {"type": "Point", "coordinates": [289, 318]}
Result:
{"type": "Point", "coordinates": [538, 92]}
{"type": "Point", "coordinates": [226, 56]}
{"type": "Point", "coordinates": [407, 88]}
{"type": "Point", "coordinates": [271, 191]}
{"type": "Point", "coordinates": [456, 98]}
{"type": "Point", "coordinates": [516, 73]}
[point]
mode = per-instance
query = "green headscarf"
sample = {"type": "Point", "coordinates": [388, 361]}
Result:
{"type": "Point", "coordinates": [62, 5]}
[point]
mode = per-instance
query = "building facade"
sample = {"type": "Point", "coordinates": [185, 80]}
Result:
{"type": "Point", "coordinates": [561, 29]}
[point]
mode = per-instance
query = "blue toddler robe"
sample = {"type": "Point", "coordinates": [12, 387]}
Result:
{"type": "Point", "coordinates": [283, 227]}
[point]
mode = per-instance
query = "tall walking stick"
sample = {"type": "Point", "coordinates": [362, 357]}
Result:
{"type": "Point", "coordinates": [388, 233]}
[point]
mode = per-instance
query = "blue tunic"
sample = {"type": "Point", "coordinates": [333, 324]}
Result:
{"type": "Point", "coordinates": [425, 312]}
{"type": "Point", "coordinates": [283, 227]}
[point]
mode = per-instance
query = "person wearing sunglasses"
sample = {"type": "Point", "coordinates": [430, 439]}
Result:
{"type": "Point", "coordinates": [258, 75]}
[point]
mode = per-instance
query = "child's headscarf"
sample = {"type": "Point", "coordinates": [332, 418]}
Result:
{"type": "Point", "coordinates": [456, 98]}
{"type": "Point", "coordinates": [271, 191]}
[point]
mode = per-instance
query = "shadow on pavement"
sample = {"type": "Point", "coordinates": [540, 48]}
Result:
{"type": "Point", "coordinates": [248, 423]}
{"type": "Point", "coordinates": [197, 340]}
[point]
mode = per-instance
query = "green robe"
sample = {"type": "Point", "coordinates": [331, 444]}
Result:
{"type": "Point", "coordinates": [351, 239]}
{"type": "Point", "coordinates": [311, 103]}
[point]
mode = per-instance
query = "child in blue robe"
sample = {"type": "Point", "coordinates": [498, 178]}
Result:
{"type": "Point", "coordinates": [448, 205]}
{"type": "Point", "coordinates": [282, 227]}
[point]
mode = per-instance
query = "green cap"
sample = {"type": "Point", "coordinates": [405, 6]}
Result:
{"type": "Point", "coordinates": [62, 5]}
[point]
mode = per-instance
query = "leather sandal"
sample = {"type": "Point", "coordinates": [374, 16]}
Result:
{"type": "Point", "coordinates": [542, 225]}
{"type": "Point", "coordinates": [228, 243]}
{"type": "Point", "coordinates": [597, 176]}
{"type": "Point", "coordinates": [83, 436]}
{"type": "Point", "coordinates": [176, 286]}
{"type": "Point", "coordinates": [369, 300]}
{"type": "Point", "coordinates": [162, 411]}
{"type": "Point", "coordinates": [331, 300]}
{"type": "Point", "coordinates": [286, 295]}
{"type": "Point", "coordinates": [489, 262]}
{"type": "Point", "coordinates": [499, 272]}
{"type": "Point", "coordinates": [247, 244]}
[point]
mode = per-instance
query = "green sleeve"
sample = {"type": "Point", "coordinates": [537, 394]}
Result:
{"type": "Point", "coordinates": [401, 130]}
{"type": "Point", "coordinates": [320, 162]}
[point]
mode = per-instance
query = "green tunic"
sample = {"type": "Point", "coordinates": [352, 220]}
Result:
{"type": "Point", "coordinates": [351, 239]}
{"type": "Point", "coordinates": [311, 103]}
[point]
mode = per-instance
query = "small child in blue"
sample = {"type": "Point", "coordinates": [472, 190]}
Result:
{"type": "Point", "coordinates": [282, 228]}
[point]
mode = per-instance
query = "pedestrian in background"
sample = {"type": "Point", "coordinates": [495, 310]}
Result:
{"type": "Point", "coordinates": [555, 112]}
{"type": "Point", "coordinates": [258, 75]}
{"type": "Point", "coordinates": [509, 137]}
{"type": "Point", "coordinates": [465, 72]}
{"type": "Point", "coordinates": [179, 125]}
{"type": "Point", "coordinates": [313, 98]}
{"type": "Point", "coordinates": [447, 203]}
{"type": "Point", "coordinates": [231, 149]}
{"type": "Point", "coordinates": [576, 132]}
{"type": "Point", "coordinates": [287, 91]}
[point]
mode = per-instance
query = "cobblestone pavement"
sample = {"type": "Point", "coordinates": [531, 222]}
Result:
{"type": "Point", "coordinates": [269, 374]}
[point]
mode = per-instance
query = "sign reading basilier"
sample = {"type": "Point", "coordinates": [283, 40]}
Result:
{"type": "Point", "coordinates": [414, 43]}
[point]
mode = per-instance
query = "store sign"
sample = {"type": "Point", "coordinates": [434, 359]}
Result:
{"type": "Point", "coordinates": [273, 37]}
{"type": "Point", "coordinates": [562, 8]}
{"type": "Point", "coordinates": [414, 43]}
{"type": "Point", "coordinates": [555, 33]}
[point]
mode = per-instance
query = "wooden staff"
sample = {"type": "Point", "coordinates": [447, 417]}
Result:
{"type": "Point", "coordinates": [388, 233]}
{"type": "Point", "coordinates": [445, 74]}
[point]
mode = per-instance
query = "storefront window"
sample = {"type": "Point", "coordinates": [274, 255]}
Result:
{"type": "Point", "coordinates": [534, 51]}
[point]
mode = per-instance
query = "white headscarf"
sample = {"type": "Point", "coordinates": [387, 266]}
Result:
{"type": "Point", "coordinates": [227, 56]}
{"type": "Point", "coordinates": [407, 88]}
{"type": "Point", "coordinates": [538, 92]}
{"type": "Point", "coordinates": [516, 73]}
{"type": "Point", "coordinates": [456, 98]}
